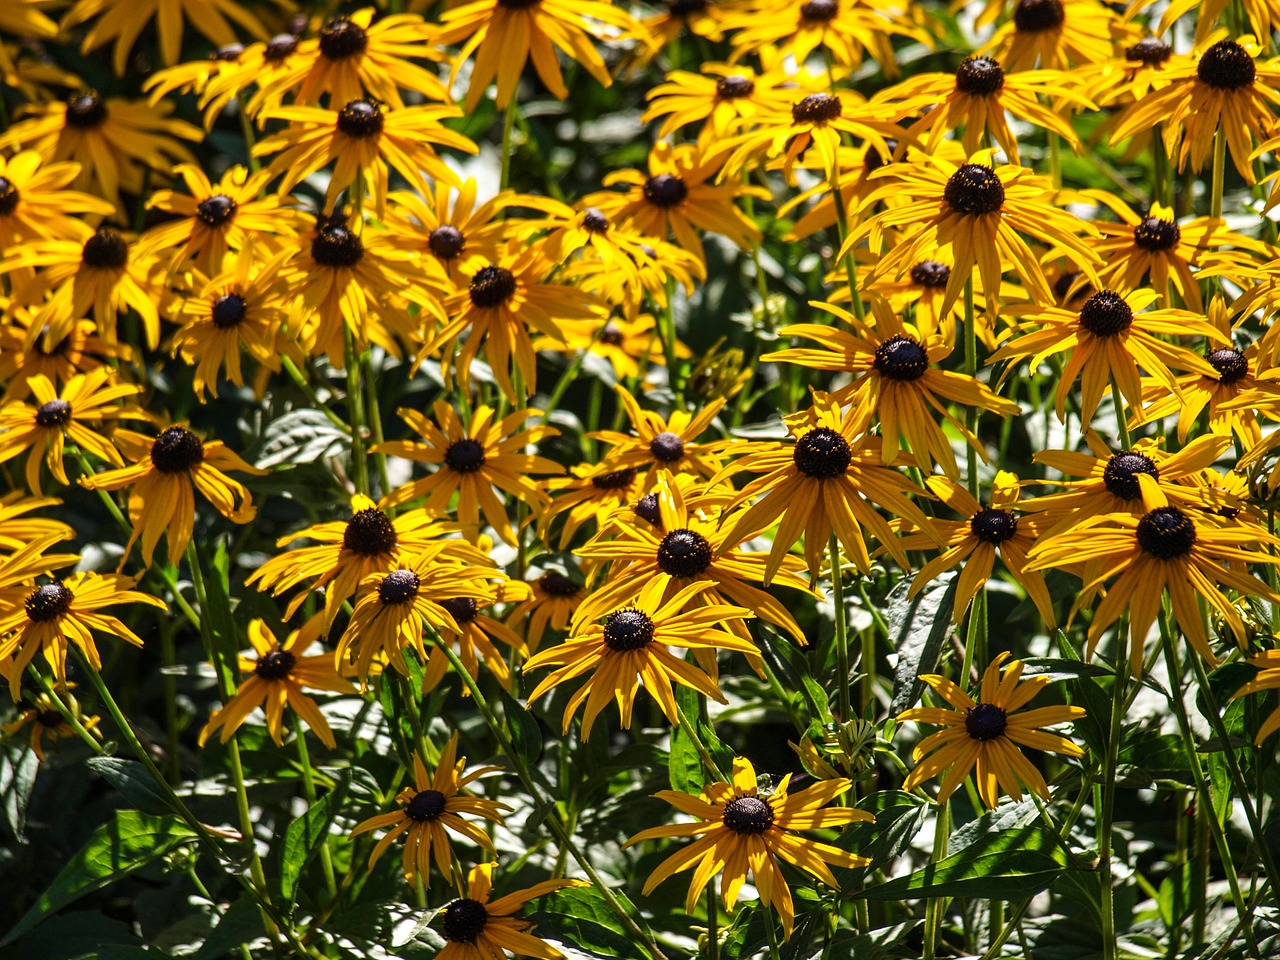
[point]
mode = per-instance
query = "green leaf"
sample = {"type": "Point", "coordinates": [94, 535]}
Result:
{"type": "Point", "coordinates": [116, 849]}
{"type": "Point", "coordinates": [917, 628]}
{"type": "Point", "coordinates": [582, 917]}
{"type": "Point", "coordinates": [899, 817]}
{"type": "Point", "coordinates": [304, 836]}
{"type": "Point", "coordinates": [18, 767]}
{"type": "Point", "coordinates": [526, 735]}
{"type": "Point", "coordinates": [132, 780]}
{"type": "Point", "coordinates": [688, 700]}
{"type": "Point", "coordinates": [684, 766]}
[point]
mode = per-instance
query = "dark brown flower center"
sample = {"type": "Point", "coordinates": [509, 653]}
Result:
{"type": "Point", "coordinates": [228, 311]}
{"type": "Point", "coordinates": [735, 87]}
{"type": "Point", "coordinates": [822, 454]}
{"type": "Point", "coordinates": [216, 210]}
{"type": "Point", "coordinates": [464, 456]}
{"type": "Point", "coordinates": [49, 718]}
{"type": "Point", "coordinates": [398, 586]}
{"type": "Point", "coordinates": [1166, 533]}
{"type": "Point", "coordinates": [8, 196]}
{"type": "Point", "coordinates": [930, 273]}
{"type": "Point", "coordinates": [1106, 314]}
{"type": "Point", "coordinates": [665, 190]}
{"type": "Point", "coordinates": [340, 39]}
{"type": "Point", "coordinates": [819, 11]}
{"type": "Point", "coordinates": [1150, 51]}
{"type": "Point", "coordinates": [465, 919]}
{"type": "Point", "coordinates": [1037, 16]}
{"type": "Point", "coordinates": [628, 629]}
{"type": "Point", "coordinates": [558, 585]}
{"type": "Point", "coordinates": [646, 508]}
{"type": "Point", "coordinates": [85, 110]}
{"type": "Point", "coordinates": [228, 53]}
{"type": "Point", "coordinates": [993, 526]}
{"type": "Point", "coordinates": [55, 413]}
{"type": "Point", "coordinates": [985, 721]}
{"type": "Point", "coordinates": [873, 159]}
{"type": "Point", "coordinates": [684, 553]}
{"type": "Point", "coordinates": [334, 245]}
{"type": "Point", "coordinates": [974, 190]}
{"type": "Point", "coordinates": [901, 358]}
{"type": "Point", "coordinates": [593, 221]}
{"type": "Point", "coordinates": [48, 602]}
{"type": "Point", "coordinates": [682, 8]}
{"type": "Point", "coordinates": [1231, 365]}
{"type": "Point", "coordinates": [610, 334]}
{"type": "Point", "coordinates": [667, 447]}
{"type": "Point", "coordinates": [518, 4]}
{"type": "Point", "coordinates": [275, 665]}
{"type": "Point", "coordinates": [462, 609]}
{"type": "Point", "coordinates": [1155, 234]}
{"type": "Point", "coordinates": [426, 805]}
{"type": "Point", "coordinates": [979, 76]}
{"type": "Point", "coordinates": [361, 119]}
{"type": "Point", "coordinates": [280, 46]}
{"type": "Point", "coordinates": [1120, 475]}
{"type": "Point", "coordinates": [1226, 66]}
{"type": "Point", "coordinates": [176, 450]}
{"type": "Point", "coordinates": [446, 241]}
{"type": "Point", "coordinates": [615, 480]}
{"type": "Point", "coordinates": [105, 250]}
{"type": "Point", "coordinates": [492, 286]}
{"type": "Point", "coordinates": [1064, 284]}
{"type": "Point", "coordinates": [369, 533]}
{"type": "Point", "coordinates": [748, 816]}
{"type": "Point", "coordinates": [816, 108]}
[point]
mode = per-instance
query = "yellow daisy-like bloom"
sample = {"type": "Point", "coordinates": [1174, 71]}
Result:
{"type": "Point", "coordinates": [1261, 14]}
{"type": "Point", "coordinates": [478, 928]}
{"type": "Point", "coordinates": [113, 140]}
{"type": "Point", "coordinates": [258, 65]}
{"type": "Point", "coordinates": [677, 197]}
{"type": "Point", "coordinates": [429, 810]}
{"type": "Point", "coordinates": [896, 376]}
{"type": "Point", "coordinates": [54, 616]}
{"type": "Point", "coordinates": [974, 541]}
{"type": "Point", "coordinates": [352, 56]}
{"type": "Point", "coordinates": [1054, 35]}
{"type": "Point", "coordinates": [739, 830]}
{"type": "Point", "coordinates": [1221, 87]}
{"type": "Point", "coordinates": [18, 531]}
{"type": "Point", "coordinates": [35, 204]}
{"type": "Point", "coordinates": [1109, 337]}
{"type": "Point", "coordinates": [41, 428]}
{"type": "Point", "coordinates": [164, 476]}
{"type": "Point", "coordinates": [471, 460]}
{"type": "Point", "coordinates": [124, 20]}
{"type": "Point", "coordinates": [100, 277]}
{"type": "Point", "coordinates": [977, 97]}
{"type": "Point", "coordinates": [723, 98]}
{"type": "Point", "coordinates": [24, 354]}
{"type": "Point", "coordinates": [505, 34]}
{"type": "Point", "coordinates": [626, 344]}
{"type": "Point", "coordinates": [454, 236]}
{"type": "Point", "coordinates": [553, 600]}
{"type": "Point", "coordinates": [47, 722]}
{"type": "Point", "coordinates": [215, 218]}
{"type": "Point", "coordinates": [394, 607]}
{"type": "Point", "coordinates": [983, 735]}
{"type": "Point", "coordinates": [474, 639]}
{"type": "Point", "coordinates": [361, 138]}
{"type": "Point", "coordinates": [503, 302]}
{"type": "Point", "coordinates": [246, 309]}
{"type": "Point", "coordinates": [701, 18]}
{"type": "Point", "coordinates": [632, 646]}
{"type": "Point", "coordinates": [982, 211]}
{"type": "Point", "coordinates": [23, 18]}
{"type": "Point", "coordinates": [650, 265]}
{"type": "Point", "coordinates": [1167, 549]}
{"type": "Point", "coordinates": [590, 493]}
{"type": "Point", "coordinates": [276, 679]}
{"type": "Point", "coordinates": [349, 551]}
{"type": "Point", "coordinates": [661, 445]}
{"type": "Point", "coordinates": [824, 482]}
{"type": "Point", "coordinates": [1267, 678]}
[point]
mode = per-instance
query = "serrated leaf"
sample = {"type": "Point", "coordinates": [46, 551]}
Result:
{"type": "Point", "coordinates": [301, 436]}
{"type": "Point", "coordinates": [303, 837]}
{"type": "Point", "coordinates": [582, 917]}
{"type": "Point", "coordinates": [116, 849]}
{"type": "Point", "coordinates": [917, 628]}
{"type": "Point", "coordinates": [131, 779]}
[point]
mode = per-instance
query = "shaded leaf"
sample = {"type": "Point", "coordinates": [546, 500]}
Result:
{"type": "Point", "coordinates": [242, 923]}
{"type": "Point", "coordinates": [303, 837]}
{"type": "Point", "coordinates": [18, 767]}
{"type": "Point", "coordinates": [917, 628]}
{"type": "Point", "coordinates": [131, 779]}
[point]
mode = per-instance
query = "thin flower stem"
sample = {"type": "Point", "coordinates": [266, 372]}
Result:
{"type": "Point", "coordinates": [553, 819]}
{"type": "Point", "coordinates": [850, 263]}
{"type": "Point", "coordinates": [842, 631]}
{"type": "Point", "coordinates": [508, 122]}
{"type": "Point", "coordinates": [1107, 817]}
{"type": "Point", "coordinates": [309, 788]}
{"type": "Point", "coordinates": [708, 761]}
{"type": "Point", "coordinates": [667, 334]}
{"type": "Point", "coordinates": [246, 128]}
{"type": "Point", "coordinates": [300, 381]}
{"type": "Point", "coordinates": [67, 713]}
{"type": "Point", "coordinates": [713, 935]}
{"type": "Point", "coordinates": [424, 747]}
{"type": "Point", "coordinates": [1055, 160]}
{"type": "Point", "coordinates": [933, 910]}
{"type": "Point", "coordinates": [375, 418]}
{"type": "Point", "coordinates": [1122, 424]}
{"type": "Point", "coordinates": [355, 410]}
{"type": "Point", "coordinates": [971, 370]}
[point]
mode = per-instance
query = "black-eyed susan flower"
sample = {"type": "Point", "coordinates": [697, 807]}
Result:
{"type": "Point", "coordinates": [1222, 87]}
{"type": "Point", "coordinates": [739, 830]}
{"type": "Point", "coordinates": [698, 17]}
{"type": "Point", "coordinates": [47, 724]}
{"type": "Point", "coordinates": [983, 735]}
{"type": "Point", "coordinates": [626, 344]}
{"type": "Point", "coordinates": [1267, 678]}
{"type": "Point", "coordinates": [163, 478]}
{"type": "Point", "coordinates": [114, 140]}
{"type": "Point", "coordinates": [475, 641]}
{"type": "Point", "coordinates": [1186, 554]}
{"type": "Point", "coordinates": [429, 811]}
{"type": "Point", "coordinates": [1054, 34]}
{"type": "Point", "coordinates": [722, 97]}
{"type": "Point", "coordinates": [24, 354]}
{"type": "Point", "coordinates": [478, 928]}
{"type": "Point", "coordinates": [74, 414]}
{"type": "Point", "coordinates": [471, 459]}
{"type": "Point", "coordinates": [826, 481]}
{"type": "Point", "coordinates": [589, 493]}
{"type": "Point", "coordinates": [276, 679]}
{"type": "Point", "coordinates": [36, 204]}
{"type": "Point", "coordinates": [362, 138]}
{"type": "Point", "coordinates": [504, 35]}
{"type": "Point", "coordinates": [553, 599]}
{"type": "Point", "coordinates": [52, 617]}
{"type": "Point", "coordinates": [269, 66]}
{"type": "Point", "coordinates": [454, 235]}
{"type": "Point", "coordinates": [1108, 338]}
{"type": "Point", "coordinates": [896, 376]}
{"type": "Point", "coordinates": [393, 609]}
{"type": "Point", "coordinates": [631, 647]}
{"type": "Point", "coordinates": [664, 444]}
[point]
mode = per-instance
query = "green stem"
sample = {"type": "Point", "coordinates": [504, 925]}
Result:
{"type": "Point", "coordinates": [971, 370]}
{"type": "Point", "coordinates": [300, 381]}
{"type": "Point", "coordinates": [842, 630]}
{"type": "Point", "coordinates": [708, 761]}
{"type": "Point", "coordinates": [933, 910]}
{"type": "Point", "coordinates": [375, 418]}
{"type": "Point", "coordinates": [309, 788]}
{"type": "Point", "coordinates": [508, 121]}
{"type": "Point", "coordinates": [850, 263]}
{"type": "Point", "coordinates": [1122, 422]}
{"type": "Point", "coordinates": [1055, 160]}
{"type": "Point", "coordinates": [355, 409]}
{"type": "Point", "coordinates": [1107, 817]}
{"type": "Point", "coordinates": [713, 935]}
{"type": "Point", "coordinates": [67, 713]}
{"type": "Point", "coordinates": [246, 130]}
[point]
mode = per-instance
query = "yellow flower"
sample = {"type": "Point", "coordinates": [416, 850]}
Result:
{"type": "Point", "coordinates": [454, 236]}
{"type": "Point", "coordinates": [724, 97]}
{"type": "Point", "coordinates": [624, 343]}
{"type": "Point", "coordinates": [17, 530]}
{"type": "Point", "coordinates": [553, 599]}
{"type": "Point", "coordinates": [478, 928]}
{"type": "Point", "coordinates": [276, 679]}
{"type": "Point", "coordinates": [739, 830]}
{"type": "Point", "coordinates": [25, 354]}
{"type": "Point", "coordinates": [430, 809]}
{"type": "Point", "coordinates": [1054, 34]}
{"type": "Point", "coordinates": [664, 445]}
{"type": "Point", "coordinates": [35, 204]}
{"type": "Point", "coordinates": [47, 722]}
{"type": "Point", "coordinates": [983, 735]}
{"type": "Point", "coordinates": [475, 636]}
{"type": "Point", "coordinates": [1267, 678]}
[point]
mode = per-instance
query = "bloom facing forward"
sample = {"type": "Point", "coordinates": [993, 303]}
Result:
{"type": "Point", "coordinates": [478, 928]}
{"type": "Point", "coordinates": [739, 830]}
{"type": "Point", "coordinates": [981, 734]}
